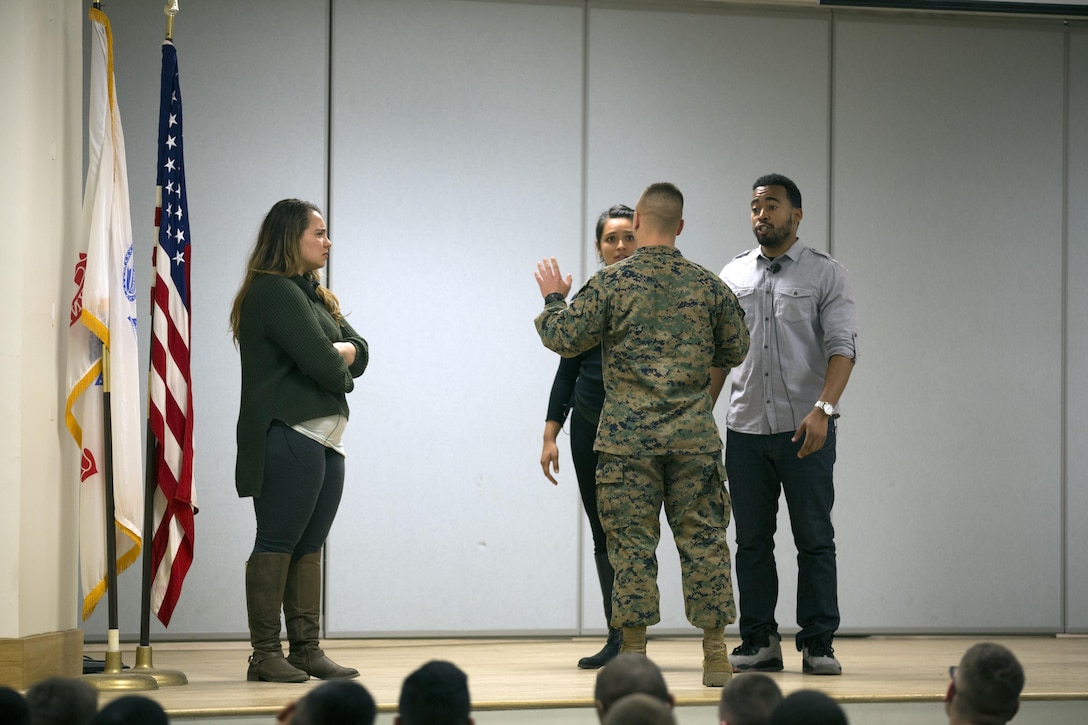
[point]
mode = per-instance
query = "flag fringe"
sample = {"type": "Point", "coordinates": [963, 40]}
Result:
{"type": "Point", "coordinates": [78, 389]}
{"type": "Point", "coordinates": [90, 601]}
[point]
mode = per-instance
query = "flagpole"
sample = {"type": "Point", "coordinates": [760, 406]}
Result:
{"type": "Point", "coordinates": [112, 677]}
{"type": "Point", "coordinates": [171, 10]}
{"type": "Point", "coordinates": [107, 224]}
{"type": "Point", "coordinates": [144, 655]}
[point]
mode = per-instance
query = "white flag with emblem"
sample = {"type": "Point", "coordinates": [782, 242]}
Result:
{"type": "Point", "coordinates": [102, 347]}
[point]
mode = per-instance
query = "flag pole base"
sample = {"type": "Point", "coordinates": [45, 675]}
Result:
{"type": "Point", "coordinates": [164, 678]}
{"type": "Point", "coordinates": [113, 679]}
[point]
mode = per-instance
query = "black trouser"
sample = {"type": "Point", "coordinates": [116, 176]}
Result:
{"type": "Point", "coordinates": [582, 434]}
{"type": "Point", "coordinates": [303, 482]}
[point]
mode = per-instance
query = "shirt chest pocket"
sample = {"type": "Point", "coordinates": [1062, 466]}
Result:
{"type": "Point", "coordinates": [794, 304]}
{"type": "Point", "coordinates": [748, 299]}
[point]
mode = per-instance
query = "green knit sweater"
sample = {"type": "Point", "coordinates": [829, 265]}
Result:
{"type": "Point", "coordinates": [290, 370]}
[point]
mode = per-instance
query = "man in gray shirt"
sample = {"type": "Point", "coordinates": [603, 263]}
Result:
{"type": "Point", "coordinates": [781, 427]}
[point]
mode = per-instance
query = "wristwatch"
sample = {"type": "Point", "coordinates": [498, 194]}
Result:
{"type": "Point", "coordinates": [553, 297]}
{"type": "Point", "coordinates": [828, 408]}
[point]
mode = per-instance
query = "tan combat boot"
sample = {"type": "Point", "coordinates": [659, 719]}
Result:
{"type": "Point", "coordinates": [716, 668]}
{"type": "Point", "coordinates": [634, 640]}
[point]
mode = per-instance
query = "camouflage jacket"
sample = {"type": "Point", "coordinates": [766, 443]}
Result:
{"type": "Point", "coordinates": [662, 323]}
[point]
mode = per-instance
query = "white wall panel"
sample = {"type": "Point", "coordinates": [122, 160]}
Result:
{"type": "Point", "coordinates": [946, 193]}
{"type": "Point", "coordinates": [456, 160]}
{"type": "Point", "coordinates": [687, 97]}
{"type": "Point", "coordinates": [1076, 272]}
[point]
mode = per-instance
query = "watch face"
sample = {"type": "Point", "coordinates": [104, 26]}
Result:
{"type": "Point", "coordinates": [827, 408]}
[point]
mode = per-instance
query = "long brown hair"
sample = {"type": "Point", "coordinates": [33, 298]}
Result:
{"type": "Point", "coordinates": [278, 251]}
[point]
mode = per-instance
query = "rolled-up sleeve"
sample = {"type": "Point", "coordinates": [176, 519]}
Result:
{"type": "Point", "coordinates": [838, 315]}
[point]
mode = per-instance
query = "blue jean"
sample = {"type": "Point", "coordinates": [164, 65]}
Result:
{"type": "Point", "coordinates": [303, 483]}
{"type": "Point", "coordinates": [759, 468]}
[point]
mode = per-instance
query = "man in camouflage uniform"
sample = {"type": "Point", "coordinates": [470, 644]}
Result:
{"type": "Point", "coordinates": [662, 322]}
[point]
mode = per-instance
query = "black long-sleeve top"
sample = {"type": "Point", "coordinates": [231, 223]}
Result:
{"type": "Point", "coordinates": [579, 383]}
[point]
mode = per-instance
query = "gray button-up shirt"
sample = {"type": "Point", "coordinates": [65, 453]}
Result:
{"type": "Point", "coordinates": [800, 311]}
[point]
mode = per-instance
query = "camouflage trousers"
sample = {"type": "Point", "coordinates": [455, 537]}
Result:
{"type": "Point", "coordinates": [631, 491]}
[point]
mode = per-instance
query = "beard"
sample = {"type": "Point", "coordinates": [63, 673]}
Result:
{"type": "Point", "coordinates": [776, 237]}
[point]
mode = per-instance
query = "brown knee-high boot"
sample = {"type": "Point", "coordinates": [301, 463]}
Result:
{"type": "Point", "coordinates": [266, 574]}
{"type": "Point", "coordinates": [302, 609]}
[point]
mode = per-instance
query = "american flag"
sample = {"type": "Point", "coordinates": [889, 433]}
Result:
{"type": "Point", "coordinates": [171, 397]}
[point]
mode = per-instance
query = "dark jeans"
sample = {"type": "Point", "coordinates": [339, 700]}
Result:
{"type": "Point", "coordinates": [303, 482]}
{"type": "Point", "coordinates": [759, 467]}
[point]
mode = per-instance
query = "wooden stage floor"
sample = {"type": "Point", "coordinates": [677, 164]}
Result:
{"type": "Point", "coordinates": [513, 674]}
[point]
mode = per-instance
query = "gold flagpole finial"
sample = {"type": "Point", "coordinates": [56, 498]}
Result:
{"type": "Point", "coordinates": [171, 9]}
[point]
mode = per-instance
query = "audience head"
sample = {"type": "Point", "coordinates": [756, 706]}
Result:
{"type": "Point", "coordinates": [749, 700]}
{"type": "Point", "coordinates": [13, 707]}
{"type": "Point", "coordinates": [336, 702]}
{"type": "Point", "coordinates": [985, 687]}
{"type": "Point", "coordinates": [627, 674]}
{"type": "Point", "coordinates": [639, 709]}
{"type": "Point", "coordinates": [62, 701]}
{"type": "Point", "coordinates": [808, 707]}
{"type": "Point", "coordinates": [435, 694]}
{"type": "Point", "coordinates": [131, 710]}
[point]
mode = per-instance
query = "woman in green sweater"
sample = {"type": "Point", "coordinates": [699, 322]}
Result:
{"type": "Point", "coordinates": [299, 360]}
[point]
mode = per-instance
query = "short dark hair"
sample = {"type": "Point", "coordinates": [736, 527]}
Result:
{"type": "Point", "coordinates": [808, 707]}
{"type": "Point", "coordinates": [336, 702]}
{"type": "Point", "coordinates": [663, 203]}
{"type": "Point", "coordinates": [617, 211]}
{"type": "Point", "coordinates": [13, 708]}
{"type": "Point", "coordinates": [792, 192]}
{"type": "Point", "coordinates": [62, 701]}
{"type": "Point", "coordinates": [435, 694]}
{"type": "Point", "coordinates": [627, 674]}
{"type": "Point", "coordinates": [749, 700]}
{"type": "Point", "coordinates": [638, 708]}
{"type": "Point", "coordinates": [990, 682]}
{"type": "Point", "coordinates": [131, 710]}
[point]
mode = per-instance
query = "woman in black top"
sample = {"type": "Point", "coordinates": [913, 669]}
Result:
{"type": "Point", "coordinates": [579, 385]}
